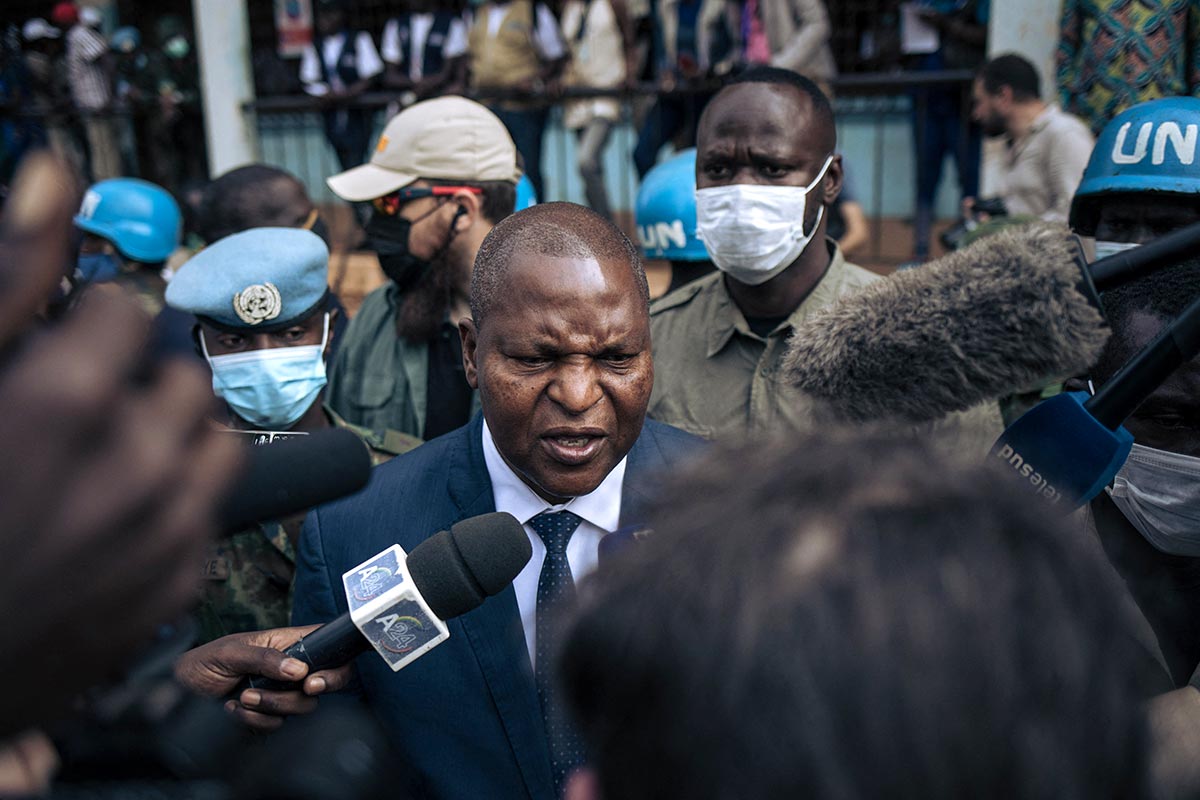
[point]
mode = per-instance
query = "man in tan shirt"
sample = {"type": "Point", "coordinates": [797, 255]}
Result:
{"type": "Point", "coordinates": [1047, 148]}
{"type": "Point", "coordinates": [766, 168]}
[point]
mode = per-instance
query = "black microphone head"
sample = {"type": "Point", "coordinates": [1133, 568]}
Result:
{"type": "Point", "coordinates": [295, 474]}
{"type": "Point", "coordinates": [457, 570]}
{"type": "Point", "coordinates": [1003, 315]}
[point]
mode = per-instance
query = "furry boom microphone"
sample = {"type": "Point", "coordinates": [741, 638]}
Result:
{"type": "Point", "coordinates": [1006, 314]}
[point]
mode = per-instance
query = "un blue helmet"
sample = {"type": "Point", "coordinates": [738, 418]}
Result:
{"type": "Point", "coordinates": [526, 196]}
{"type": "Point", "coordinates": [666, 211]}
{"type": "Point", "coordinates": [1151, 147]}
{"type": "Point", "coordinates": [141, 219]}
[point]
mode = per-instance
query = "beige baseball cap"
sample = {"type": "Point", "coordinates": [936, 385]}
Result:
{"type": "Point", "coordinates": [447, 138]}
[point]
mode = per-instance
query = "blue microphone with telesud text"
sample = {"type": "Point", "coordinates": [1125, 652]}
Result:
{"type": "Point", "coordinates": [1069, 447]}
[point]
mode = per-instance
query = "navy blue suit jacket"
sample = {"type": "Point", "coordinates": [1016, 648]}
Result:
{"type": "Point", "coordinates": [465, 716]}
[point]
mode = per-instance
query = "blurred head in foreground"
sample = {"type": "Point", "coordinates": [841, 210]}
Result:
{"type": "Point", "coordinates": [853, 618]}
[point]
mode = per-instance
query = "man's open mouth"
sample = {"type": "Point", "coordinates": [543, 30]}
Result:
{"type": "Point", "coordinates": [573, 447]}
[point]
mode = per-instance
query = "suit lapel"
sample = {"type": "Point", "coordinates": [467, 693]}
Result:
{"type": "Point", "coordinates": [645, 461]}
{"type": "Point", "coordinates": [494, 630]}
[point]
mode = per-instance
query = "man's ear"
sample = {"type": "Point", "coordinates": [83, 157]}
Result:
{"type": "Point", "coordinates": [470, 342]}
{"type": "Point", "coordinates": [471, 204]}
{"type": "Point", "coordinates": [582, 785]}
{"type": "Point", "coordinates": [831, 184]}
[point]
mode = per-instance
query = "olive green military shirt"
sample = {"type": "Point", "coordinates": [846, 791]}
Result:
{"type": "Point", "coordinates": [715, 377]}
{"type": "Point", "coordinates": [378, 378]}
{"type": "Point", "coordinates": [248, 576]}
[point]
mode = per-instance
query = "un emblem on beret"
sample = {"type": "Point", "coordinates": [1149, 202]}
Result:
{"type": "Point", "coordinates": [257, 303]}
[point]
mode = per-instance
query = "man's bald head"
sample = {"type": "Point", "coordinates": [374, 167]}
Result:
{"type": "Point", "coordinates": [559, 230]}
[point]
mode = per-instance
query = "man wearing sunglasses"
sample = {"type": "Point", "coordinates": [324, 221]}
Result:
{"type": "Point", "coordinates": [444, 172]}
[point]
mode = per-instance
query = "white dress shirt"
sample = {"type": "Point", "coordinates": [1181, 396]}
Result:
{"type": "Point", "coordinates": [419, 28]}
{"type": "Point", "coordinates": [600, 511]}
{"type": "Point", "coordinates": [367, 62]}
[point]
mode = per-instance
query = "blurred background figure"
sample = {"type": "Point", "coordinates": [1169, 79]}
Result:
{"type": "Point", "coordinates": [338, 66]}
{"type": "Point", "coordinates": [133, 91]}
{"type": "Point", "coordinates": [600, 41]}
{"type": "Point", "coordinates": [1046, 150]}
{"type": "Point", "coordinates": [888, 624]}
{"type": "Point", "coordinates": [90, 71]}
{"type": "Point", "coordinates": [792, 34]}
{"type": "Point", "coordinates": [176, 127]}
{"type": "Point", "coordinates": [939, 111]}
{"type": "Point", "coordinates": [423, 50]}
{"type": "Point", "coordinates": [517, 52]}
{"type": "Point", "coordinates": [130, 228]}
{"type": "Point", "coordinates": [666, 219]}
{"type": "Point", "coordinates": [673, 116]}
{"type": "Point", "coordinates": [50, 91]}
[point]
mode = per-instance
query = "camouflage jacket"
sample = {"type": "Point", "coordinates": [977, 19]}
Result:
{"type": "Point", "coordinates": [248, 576]}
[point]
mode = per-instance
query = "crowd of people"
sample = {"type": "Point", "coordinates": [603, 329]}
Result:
{"type": "Point", "coordinates": [731, 588]}
{"type": "Point", "coordinates": [121, 104]}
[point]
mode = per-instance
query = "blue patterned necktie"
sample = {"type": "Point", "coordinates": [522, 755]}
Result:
{"type": "Point", "coordinates": [555, 594]}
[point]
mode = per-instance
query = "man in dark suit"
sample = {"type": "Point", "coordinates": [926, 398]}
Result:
{"type": "Point", "coordinates": [558, 345]}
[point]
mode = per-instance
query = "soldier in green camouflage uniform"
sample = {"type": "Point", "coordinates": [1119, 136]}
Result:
{"type": "Point", "coordinates": [263, 314]}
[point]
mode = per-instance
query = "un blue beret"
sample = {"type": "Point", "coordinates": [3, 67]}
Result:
{"type": "Point", "coordinates": [260, 279]}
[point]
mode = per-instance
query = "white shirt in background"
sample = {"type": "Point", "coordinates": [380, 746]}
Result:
{"type": "Point", "coordinates": [367, 62]}
{"type": "Point", "coordinates": [419, 27]}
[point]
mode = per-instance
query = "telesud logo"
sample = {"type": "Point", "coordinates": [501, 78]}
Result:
{"type": "Point", "coordinates": [1026, 472]}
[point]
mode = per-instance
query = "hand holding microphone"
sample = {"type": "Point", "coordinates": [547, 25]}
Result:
{"type": "Point", "coordinates": [399, 604]}
{"type": "Point", "coordinates": [216, 668]}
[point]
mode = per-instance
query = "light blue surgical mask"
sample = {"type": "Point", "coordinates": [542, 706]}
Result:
{"type": "Point", "coordinates": [1104, 249]}
{"type": "Point", "coordinates": [97, 267]}
{"type": "Point", "coordinates": [271, 389]}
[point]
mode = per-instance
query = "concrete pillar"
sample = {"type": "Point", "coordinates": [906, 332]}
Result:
{"type": "Point", "coordinates": [1030, 28]}
{"type": "Point", "coordinates": [226, 82]}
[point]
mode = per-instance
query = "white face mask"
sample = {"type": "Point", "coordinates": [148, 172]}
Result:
{"type": "Point", "coordinates": [753, 232]}
{"type": "Point", "coordinates": [1105, 249]}
{"type": "Point", "coordinates": [1159, 493]}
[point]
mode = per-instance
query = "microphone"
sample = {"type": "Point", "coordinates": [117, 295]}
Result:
{"type": "Point", "coordinates": [398, 605]}
{"type": "Point", "coordinates": [295, 474]}
{"type": "Point", "coordinates": [1010, 312]}
{"type": "Point", "coordinates": [1069, 447]}
{"type": "Point", "coordinates": [1165, 251]}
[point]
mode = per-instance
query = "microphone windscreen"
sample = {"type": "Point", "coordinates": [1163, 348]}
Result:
{"type": "Point", "coordinates": [1001, 316]}
{"type": "Point", "coordinates": [457, 570]}
{"type": "Point", "coordinates": [293, 475]}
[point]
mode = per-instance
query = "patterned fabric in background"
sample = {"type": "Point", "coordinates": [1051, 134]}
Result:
{"type": "Point", "coordinates": [1117, 53]}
